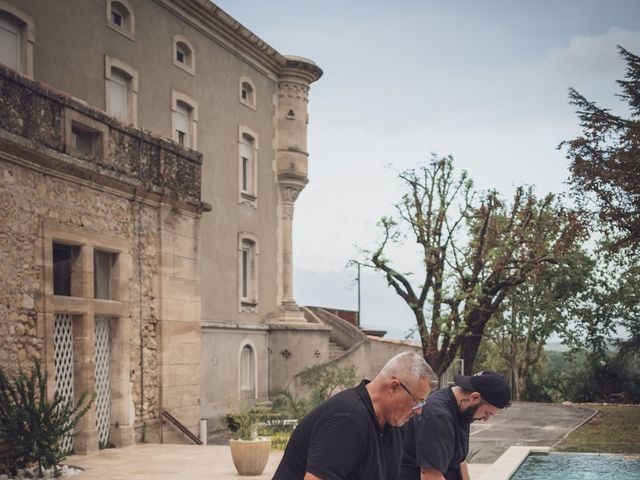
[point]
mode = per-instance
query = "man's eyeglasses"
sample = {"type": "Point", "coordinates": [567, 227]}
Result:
{"type": "Point", "coordinates": [418, 402]}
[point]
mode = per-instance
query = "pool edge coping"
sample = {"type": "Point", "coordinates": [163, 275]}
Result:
{"type": "Point", "coordinates": [509, 461]}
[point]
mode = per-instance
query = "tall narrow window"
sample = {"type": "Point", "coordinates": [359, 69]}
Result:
{"type": "Point", "coordinates": [247, 167]}
{"type": "Point", "coordinates": [119, 105]}
{"type": "Point", "coordinates": [9, 43]}
{"type": "Point", "coordinates": [16, 38]}
{"type": "Point", "coordinates": [182, 124]}
{"type": "Point", "coordinates": [103, 274]}
{"type": "Point", "coordinates": [246, 154]}
{"type": "Point", "coordinates": [248, 272]}
{"type": "Point", "coordinates": [121, 90]}
{"type": "Point", "coordinates": [184, 120]}
{"type": "Point", "coordinates": [62, 263]}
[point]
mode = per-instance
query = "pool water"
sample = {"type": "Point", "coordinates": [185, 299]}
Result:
{"type": "Point", "coordinates": [579, 466]}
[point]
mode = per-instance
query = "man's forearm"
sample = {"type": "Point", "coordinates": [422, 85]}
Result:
{"type": "Point", "coordinates": [464, 471]}
{"type": "Point", "coordinates": [430, 474]}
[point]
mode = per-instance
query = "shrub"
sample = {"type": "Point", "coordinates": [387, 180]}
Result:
{"type": "Point", "coordinates": [32, 426]}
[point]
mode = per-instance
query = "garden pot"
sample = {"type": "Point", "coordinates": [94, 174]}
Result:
{"type": "Point", "coordinates": [250, 456]}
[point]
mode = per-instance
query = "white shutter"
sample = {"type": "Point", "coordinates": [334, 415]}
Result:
{"type": "Point", "coordinates": [119, 104]}
{"type": "Point", "coordinates": [9, 44]}
{"type": "Point", "coordinates": [181, 122]}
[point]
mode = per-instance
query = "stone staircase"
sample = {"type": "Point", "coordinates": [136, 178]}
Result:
{"type": "Point", "coordinates": [335, 350]}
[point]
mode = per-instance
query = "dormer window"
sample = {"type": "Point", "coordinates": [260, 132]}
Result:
{"type": "Point", "coordinates": [184, 54]}
{"type": "Point", "coordinates": [247, 93]}
{"type": "Point", "coordinates": [120, 18]}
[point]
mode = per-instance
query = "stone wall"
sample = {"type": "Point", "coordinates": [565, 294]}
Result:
{"type": "Point", "coordinates": [136, 195]}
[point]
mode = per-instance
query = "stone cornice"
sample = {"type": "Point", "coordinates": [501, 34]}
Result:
{"type": "Point", "coordinates": [225, 30]}
{"type": "Point", "coordinates": [222, 28]}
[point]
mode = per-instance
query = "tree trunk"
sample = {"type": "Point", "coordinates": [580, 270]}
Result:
{"type": "Point", "coordinates": [469, 347]}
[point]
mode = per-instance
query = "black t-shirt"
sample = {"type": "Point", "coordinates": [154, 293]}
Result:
{"type": "Point", "coordinates": [436, 439]}
{"type": "Point", "coordinates": [341, 440]}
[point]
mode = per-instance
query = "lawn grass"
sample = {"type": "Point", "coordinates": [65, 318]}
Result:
{"type": "Point", "coordinates": [615, 429]}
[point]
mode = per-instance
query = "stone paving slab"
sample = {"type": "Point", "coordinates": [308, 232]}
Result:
{"type": "Point", "coordinates": [164, 461]}
{"type": "Point", "coordinates": [524, 423]}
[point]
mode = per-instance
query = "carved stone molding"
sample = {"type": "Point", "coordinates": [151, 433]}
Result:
{"type": "Point", "coordinates": [290, 193]}
{"type": "Point", "coordinates": [287, 211]}
{"type": "Point", "coordinates": [294, 90]}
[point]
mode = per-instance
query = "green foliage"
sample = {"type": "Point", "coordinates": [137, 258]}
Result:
{"type": "Point", "coordinates": [245, 424]}
{"type": "Point", "coordinates": [605, 161]}
{"type": "Point", "coordinates": [325, 380]}
{"type": "Point", "coordinates": [291, 406]}
{"type": "Point", "coordinates": [33, 426]}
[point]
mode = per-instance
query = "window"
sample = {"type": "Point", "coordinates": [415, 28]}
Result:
{"type": "Point", "coordinates": [247, 373]}
{"type": "Point", "coordinates": [9, 43]}
{"type": "Point", "coordinates": [120, 18]}
{"type": "Point", "coordinates": [64, 257]}
{"type": "Point", "coordinates": [184, 56]}
{"type": "Point", "coordinates": [84, 136]}
{"type": "Point", "coordinates": [247, 166]}
{"type": "Point", "coordinates": [121, 90]}
{"type": "Point", "coordinates": [16, 39]}
{"type": "Point", "coordinates": [184, 120]}
{"type": "Point", "coordinates": [182, 114]}
{"type": "Point", "coordinates": [85, 142]}
{"type": "Point", "coordinates": [104, 266]}
{"type": "Point", "coordinates": [85, 334]}
{"type": "Point", "coordinates": [119, 105]}
{"type": "Point", "coordinates": [246, 157]}
{"type": "Point", "coordinates": [248, 274]}
{"type": "Point", "coordinates": [247, 93]}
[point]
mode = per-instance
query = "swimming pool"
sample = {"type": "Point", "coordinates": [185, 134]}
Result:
{"type": "Point", "coordinates": [578, 466]}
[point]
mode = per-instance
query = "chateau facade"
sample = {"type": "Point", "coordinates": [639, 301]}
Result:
{"type": "Point", "coordinates": [151, 153]}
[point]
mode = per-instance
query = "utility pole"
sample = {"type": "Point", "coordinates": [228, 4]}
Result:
{"type": "Point", "coordinates": [358, 293]}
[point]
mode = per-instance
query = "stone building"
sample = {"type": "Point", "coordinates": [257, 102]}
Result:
{"type": "Point", "coordinates": [125, 122]}
{"type": "Point", "coordinates": [99, 240]}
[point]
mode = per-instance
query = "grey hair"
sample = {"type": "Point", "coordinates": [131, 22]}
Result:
{"type": "Point", "coordinates": [409, 366]}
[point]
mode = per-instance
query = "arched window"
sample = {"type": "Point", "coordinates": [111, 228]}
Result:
{"type": "Point", "coordinates": [16, 39]}
{"type": "Point", "coordinates": [184, 120]}
{"type": "Point", "coordinates": [247, 373]}
{"type": "Point", "coordinates": [120, 18]}
{"type": "Point", "coordinates": [247, 93]}
{"type": "Point", "coordinates": [121, 90]}
{"type": "Point", "coordinates": [184, 55]}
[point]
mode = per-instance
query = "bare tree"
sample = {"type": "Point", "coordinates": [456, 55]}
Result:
{"type": "Point", "coordinates": [474, 248]}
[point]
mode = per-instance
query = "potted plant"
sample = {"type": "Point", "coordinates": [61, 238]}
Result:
{"type": "Point", "coordinates": [249, 452]}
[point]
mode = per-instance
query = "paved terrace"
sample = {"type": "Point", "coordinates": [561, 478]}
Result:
{"type": "Point", "coordinates": [521, 424]}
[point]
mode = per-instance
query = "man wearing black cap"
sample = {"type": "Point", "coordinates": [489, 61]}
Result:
{"type": "Point", "coordinates": [437, 440]}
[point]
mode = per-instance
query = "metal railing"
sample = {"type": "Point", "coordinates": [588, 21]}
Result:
{"type": "Point", "coordinates": [181, 427]}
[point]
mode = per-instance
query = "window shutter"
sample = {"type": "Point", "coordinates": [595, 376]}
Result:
{"type": "Point", "coordinates": [9, 44]}
{"type": "Point", "coordinates": [119, 95]}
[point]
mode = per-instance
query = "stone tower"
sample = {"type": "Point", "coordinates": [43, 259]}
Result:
{"type": "Point", "coordinates": [292, 119]}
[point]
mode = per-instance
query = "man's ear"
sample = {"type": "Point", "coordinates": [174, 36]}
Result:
{"type": "Point", "coordinates": [475, 398]}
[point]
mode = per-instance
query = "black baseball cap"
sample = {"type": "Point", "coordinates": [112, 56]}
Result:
{"type": "Point", "coordinates": [490, 385]}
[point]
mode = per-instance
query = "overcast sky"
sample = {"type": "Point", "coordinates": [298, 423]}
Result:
{"type": "Point", "coordinates": [484, 81]}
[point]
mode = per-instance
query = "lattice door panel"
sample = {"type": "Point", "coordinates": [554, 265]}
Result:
{"type": "Point", "coordinates": [63, 360]}
{"type": "Point", "coordinates": [103, 379]}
